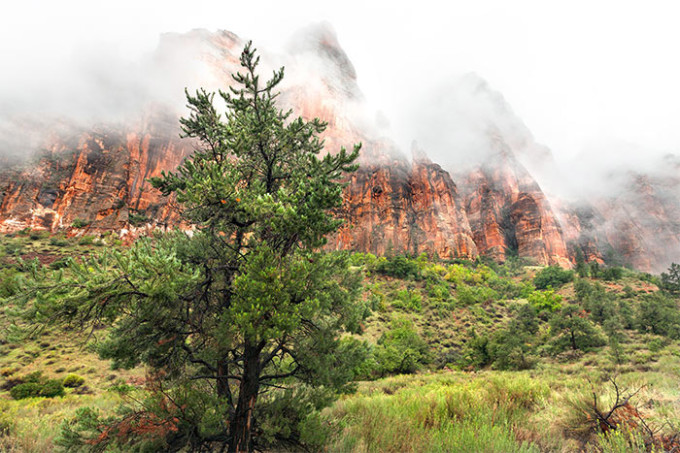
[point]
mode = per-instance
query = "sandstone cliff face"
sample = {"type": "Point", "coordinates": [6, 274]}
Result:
{"type": "Point", "coordinates": [392, 204]}
{"type": "Point", "coordinates": [508, 212]}
{"type": "Point", "coordinates": [638, 227]}
{"type": "Point", "coordinates": [98, 177]}
{"type": "Point", "coordinates": [403, 207]}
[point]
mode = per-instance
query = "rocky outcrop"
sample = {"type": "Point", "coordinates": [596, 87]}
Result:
{"type": "Point", "coordinates": [403, 207]}
{"type": "Point", "coordinates": [509, 214]}
{"type": "Point", "coordinates": [639, 226]}
{"type": "Point", "coordinates": [98, 178]}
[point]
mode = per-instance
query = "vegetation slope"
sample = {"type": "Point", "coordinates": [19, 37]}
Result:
{"type": "Point", "coordinates": [461, 356]}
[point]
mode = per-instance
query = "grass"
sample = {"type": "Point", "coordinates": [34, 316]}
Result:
{"type": "Point", "coordinates": [31, 426]}
{"type": "Point", "coordinates": [436, 413]}
{"type": "Point", "coordinates": [488, 411]}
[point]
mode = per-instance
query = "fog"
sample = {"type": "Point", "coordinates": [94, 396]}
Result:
{"type": "Point", "coordinates": [579, 97]}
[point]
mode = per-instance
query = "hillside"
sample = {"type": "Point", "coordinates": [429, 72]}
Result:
{"type": "Point", "coordinates": [463, 355]}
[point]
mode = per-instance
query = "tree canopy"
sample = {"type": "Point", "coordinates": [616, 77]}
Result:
{"type": "Point", "coordinates": [244, 313]}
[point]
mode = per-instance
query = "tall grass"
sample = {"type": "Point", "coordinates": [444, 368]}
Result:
{"type": "Point", "coordinates": [439, 413]}
{"type": "Point", "coordinates": [30, 426]}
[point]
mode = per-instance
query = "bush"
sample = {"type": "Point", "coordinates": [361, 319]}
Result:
{"type": "Point", "coordinates": [658, 314]}
{"type": "Point", "coordinates": [79, 223]}
{"type": "Point", "coordinates": [401, 349]}
{"type": "Point", "coordinates": [25, 390]}
{"type": "Point", "coordinates": [398, 267]}
{"type": "Point", "coordinates": [526, 320]}
{"type": "Point", "coordinates": [9, 284]}
{"type": "Point", "coordinates": [86, 240]}
{"type": "Point", "coordinates": [545, 301]}
{"type": "Point", "coordinates": [37, 235]}
{"type": "Point", "coordinates": [583, 289]}
{"type": "Point", "coordinates": [571, 328]}
{"type": "Point", "coordinates": [58, 241]}
{"type": "Point", "coordinates": [14, 248]}
{"type": "Point", "coordinates": [137, 218]}
{"type": "Point", "coordinates": [476, 353]}
{"type": "Point", "coordinates": [600, 304]}
{"type": "Point", "coordinates": [61, 263]}
{"type": "Point", "coordinates": [45, 388]}
{"type": "Point", "coordinates": [670, 281]}
{"type": "Point", "coordinates": [408, 300]}
{"type": "Point", "coordinates": [612, 273]}
{"type": "Point", "coordinates": [73, 381]}
{"type": "Point", "coordinates": [508, 289]}
{"type": "Point", "coordinates": [509, 350]}
{"type": "Point", "coordinates": [470, 295]}
{"type": "Point", "coordinates": [553, 276]}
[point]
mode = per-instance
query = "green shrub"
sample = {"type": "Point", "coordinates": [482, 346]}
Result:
{"type": "Point", "coordinates": [73, 381]}
{"type": "Point", "coordinates": [670, 281]}
{"type": "Point", "coordinates": [25, 390]}
{"type": "Point", "coordinates": [470, 295]}
{"type": "Point", "coordinates": [437, 290]}
{"type": "Point", "coordinates": [583, 288]}
{"type": "Point", "coordinates": [137, 218]}
{"type": "Point", "coordinates": [37, 235]}
{"type": "Point", "coordinates": [59, 241]}
{"type": "Point", "coordinates": [600, 304]}
{"type": "Point", "coordinates": [401, 349]}
{"type": "Point", "coordinates": [9, 284]}
{"type": "Point", "coordinates": [658, 314]}
{"type": "Point", "coordinates": [45, 388]}
{"type": "Point", "coordinates": [526, 320]}
{"type": "Point", "coordinates": [612, 273]}
{"type": "Point", "coordinates": [571, 328]}
{"type": "Point", "coordinates": [476, 353]}
{"type": "Point", "coordinates": [52, 388]}
{"type": "Point", "coordinates": [79, 223]}
{"type": "Point", "coordinates": [510, 350]}
{"type": "Point", "coordinates": [545, 301]}
{"type": "Point", "coordinates": [86, 240]}
{"type": "Point", "coordinates": [508, 289]}
{"type": "Point", "coordinates": [61, 263]}
{"type": "Point", "coordinates": [656, 345]}
{"type": "Point", "coordinates": [398, 267]}
{"type": "Point", "coordinates": [14, 248]}
{"type": "Point", "coordinates": [553, 276]}
{"type": "Point", "coordinates": [408, 300]}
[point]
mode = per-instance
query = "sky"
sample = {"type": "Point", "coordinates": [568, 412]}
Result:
{"type": "Point", "coordinates": [585, 76]}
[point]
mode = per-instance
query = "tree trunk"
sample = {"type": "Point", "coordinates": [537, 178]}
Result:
{"type": "Point", "coordinates": [223, 390]}
{"type": "Point", "coordinates": [241, 423]}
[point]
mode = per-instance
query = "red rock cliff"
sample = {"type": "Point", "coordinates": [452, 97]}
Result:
{"type": "Point", "coordinates": [101, 175]}
{"type": "Point", "coordinates": [508, 212]}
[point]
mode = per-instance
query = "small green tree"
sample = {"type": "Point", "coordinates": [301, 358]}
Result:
{"type": "Point", "coordinates": [553, 276]}
{"type": "Point", "coordinates": [401, 349]}
{"type": "Point", "coordinates": [581, 268]}
{"type": "Point", "coordinates": [545, 301]}
{"type": "Point", "coordinates": [247, 306]}
{"type": "Point", "coordinates": [657, 313]}
{"type": "Point", "coordinates": [571, 328]}
{"type": "Point", "coordinates": [670, 281]}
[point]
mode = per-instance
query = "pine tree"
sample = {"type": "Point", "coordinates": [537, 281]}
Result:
{"type": "Point", "coordinates": [247, 309]}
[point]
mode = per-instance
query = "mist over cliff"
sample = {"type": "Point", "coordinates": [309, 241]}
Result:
{"type": "Point", "coordinates": [504, 191]}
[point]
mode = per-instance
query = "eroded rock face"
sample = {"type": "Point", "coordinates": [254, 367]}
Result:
{"type": "Point", "coordinates": [392, 204]}
{"type": "Point", "coordinates": [404, 207]}
{"type": "Point", "coordinates": [639, 227]}
{"type": "Point", "coordinates": [98, 177]}
{"type": "Point", "coordinates": [508, 212]}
